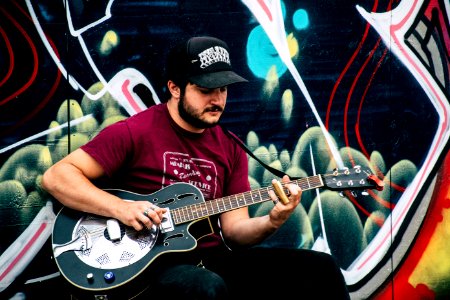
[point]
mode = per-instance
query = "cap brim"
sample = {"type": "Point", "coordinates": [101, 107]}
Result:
{"type": "Point", "coordinates": [216, 79]}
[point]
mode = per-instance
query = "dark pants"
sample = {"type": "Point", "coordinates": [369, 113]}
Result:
{"type": "Point", "coordinates": [255, 273]}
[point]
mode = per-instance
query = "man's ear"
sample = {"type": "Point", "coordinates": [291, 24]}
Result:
{"type": "Point", "coordinates": [173, 89]}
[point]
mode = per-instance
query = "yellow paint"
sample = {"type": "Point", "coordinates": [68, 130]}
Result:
{"type": "Point", "coordinates": [433, 268]}
{"type": "Point", "coordinates": [271, 81]}
{"type": "Point", "coordinates": [110, 40]}
{"type": "Point", "coordinates": [293, 45]}
{"type": "Point", "coordinates": [287, 103]}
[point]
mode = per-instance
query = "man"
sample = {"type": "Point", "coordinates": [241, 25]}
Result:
{"type": "Point", "coordinates": [180, 141]}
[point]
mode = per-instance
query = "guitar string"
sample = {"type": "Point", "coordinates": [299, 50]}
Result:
{"type": "Point", "coordinates": [201, 210]}
{"type": "Point", "coordinates": [304, 183]}
{"type": "Point", "coordinates": [196, 208]}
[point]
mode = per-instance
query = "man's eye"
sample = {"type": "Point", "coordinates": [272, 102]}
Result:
{"type": "Point", "coordinates": [210, 91]}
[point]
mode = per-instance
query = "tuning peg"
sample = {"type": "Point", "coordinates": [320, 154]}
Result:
{"type": "Point", "coordinates": [357, 169]}
{"type": "Point", "coordinates": [335, 172]}
{"type": "Point", "coordinates": [377, 181]}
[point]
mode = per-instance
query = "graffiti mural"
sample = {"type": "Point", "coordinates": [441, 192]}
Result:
{"type": "Point", "coordinates": [332, 85]}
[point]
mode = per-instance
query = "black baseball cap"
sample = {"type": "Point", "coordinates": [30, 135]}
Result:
{"type": "Point", "coordinates": [204, 61]}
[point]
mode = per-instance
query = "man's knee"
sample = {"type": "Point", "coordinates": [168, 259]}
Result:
{"type": "Point", "coordinates": [190, 282]}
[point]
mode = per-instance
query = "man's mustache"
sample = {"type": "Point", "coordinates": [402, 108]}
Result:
{"type": "Point", "coordinates": [215, 108]}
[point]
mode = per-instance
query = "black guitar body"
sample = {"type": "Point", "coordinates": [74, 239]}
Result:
{"type": "Point", "coordinates": [97, 279]}
{"type": "Point", "coordinates": [103, 258]}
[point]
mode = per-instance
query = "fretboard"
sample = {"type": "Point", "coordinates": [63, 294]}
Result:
{"type": "Point", "coordinates": [208, 208]}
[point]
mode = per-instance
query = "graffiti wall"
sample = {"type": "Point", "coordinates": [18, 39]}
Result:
{"type": "Point", "coordinates": [361, 86]}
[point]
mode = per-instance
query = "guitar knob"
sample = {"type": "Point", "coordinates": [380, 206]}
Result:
{"type": "Point", "coordinates": [109, 276]}
{"type": "Point", "coordinates": [90, 277]}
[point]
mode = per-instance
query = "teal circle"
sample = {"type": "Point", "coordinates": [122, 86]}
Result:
{"type": "Point", "coordinates": [300, 19]}
{"type": "Point", "coordinates": [262, 55]}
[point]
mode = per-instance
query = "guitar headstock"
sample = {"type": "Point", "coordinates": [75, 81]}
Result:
{"type": "Point", "coordinates": [356, 178]}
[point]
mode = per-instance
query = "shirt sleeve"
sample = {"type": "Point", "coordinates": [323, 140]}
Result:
{"type": "Point", "coordinates": [111, 147]}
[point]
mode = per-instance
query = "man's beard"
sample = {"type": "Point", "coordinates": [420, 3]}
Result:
{"type": "Point", "coordinates": [191, 117]}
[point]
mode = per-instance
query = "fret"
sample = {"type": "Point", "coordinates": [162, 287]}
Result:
{"type": "Point", "coordinates": [204, 210]}
{"type": "Point", "coordinates": [220, 204]}
{"type": "Point", "coordinates": [248, 200]}
{"type": "Point", "coordinates": [185, 213]}
{"type": "Point", "coordinates": [260, 196]}
{"type": "Point", "coordinates": [309, 184]}
{"type": "Point", "coordinates": [229, 205]}
{"type": "Point", "coordinates": [193, 212]}
{"type": "Point", "coordinates": [317, 181]}
{"type": "Point", "coordinates": [230, 202]}
{"type": "Point", "coordinates": [249, 195]}
{"type": "Point", "coordinates": [235, 201]}
{"type": "Point", "coordinates": [267, 192]}
{"type": "Point", "coordinates": [199, 209]}
{"type": "Point", "coordinates": [180, 215]}
{"type": "Point", "coordinates": [302, 184]}
{"type": "Point", "coordinates": [244, 201]}
{"type": "Point", "coordinates": [182, 218]}
{"type": "Point", "coordinates": [210, 203]}
{"type": "Point", "coordinates": [254, 197]}
{"type": "Point", "coordinates": [217, 204]}
{"type": "Point", "coordinates": [219, 207]}
{"type": "Point", "coordinates": [321, 181]}
{"type": "Point", "coordinates": [223, 204]}
{"type": "Point", "coordinates": [174, 215]}
{"type": "Point", "coordinates": [241, 202]}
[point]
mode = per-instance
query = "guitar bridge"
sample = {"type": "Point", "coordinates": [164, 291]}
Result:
{"type": "Point", "coordinates": [167, 223]}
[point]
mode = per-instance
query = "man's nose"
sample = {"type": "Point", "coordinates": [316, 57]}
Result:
{"type": "Point", "coordinates": [218, 95]}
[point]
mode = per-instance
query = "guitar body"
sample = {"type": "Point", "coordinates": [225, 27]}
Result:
{"type": "Point", "coordinates": [87, 265]}
{"type": "Point", "coordinates": [101, 257]}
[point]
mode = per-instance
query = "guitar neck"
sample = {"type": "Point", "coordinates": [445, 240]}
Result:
{"type": "Point", "coordinates": [208, 208]}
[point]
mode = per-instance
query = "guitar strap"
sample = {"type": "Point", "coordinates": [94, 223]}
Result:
{"type": "Point", "coordinates": [274, 171]}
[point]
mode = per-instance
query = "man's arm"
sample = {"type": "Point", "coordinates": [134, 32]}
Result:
{"type": "Point", "coordinates": [70, 182]}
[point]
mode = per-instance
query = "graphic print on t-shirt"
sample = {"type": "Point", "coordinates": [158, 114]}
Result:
{"type": "Point", "coordinates": [196, 171]}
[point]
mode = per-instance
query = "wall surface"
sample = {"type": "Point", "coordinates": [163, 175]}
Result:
{"type": "Point", "coordinates": [332, 84]}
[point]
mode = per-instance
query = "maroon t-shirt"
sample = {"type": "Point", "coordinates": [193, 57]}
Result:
{"type": "Point", "coordinates": [149, 151]}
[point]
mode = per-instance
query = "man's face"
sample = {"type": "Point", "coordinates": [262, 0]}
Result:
{"type": "Point", "coordinates": [202, 107]}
